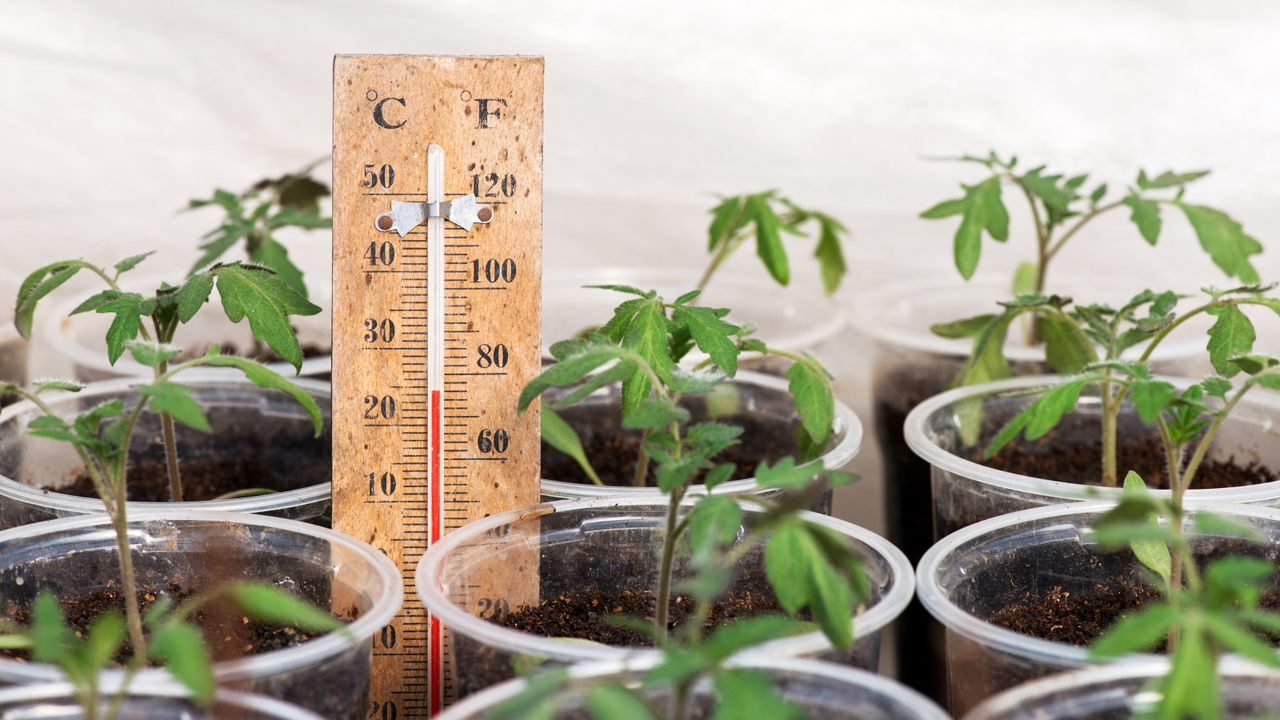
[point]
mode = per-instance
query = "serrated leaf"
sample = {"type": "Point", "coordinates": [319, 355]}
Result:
{"type": "Point", "coordinates": [175, 400]}
{"type": "Point", "coordinates": [568, 371]}
{"type": "Point", "coordinates": [984, 212]}
{"type": "Point", "coordinates": [709, 438]}
{"type": "Point", "coordinates": [106, 635]}
{"type": "Point", "coordinates": [152, 354]}
{"type": "Point", "coordinates": [718, 475]}
{"type": "Point", "coordinates": [1228, 245]}
{"type": "Point", "coordinates": [810, 387]}
{"type": "Point", "coordinates": [1049, 408]}
{"type": "Point", "coordinates": [1230, 336]}
{"type": "Point", "coordinates": [788, 576]}
{"type": "Point", "coordinates": [713, 335]}
{"type": "Point", "coordinates": [132, 262]}
{"type": "Point", "coordinates": [273, 255]}
{"type": "Point", "coordinates": [128, 309]}
{"type": "Point", "coordinates": [1151, 553]}
{"type": "Point", "coordinates": [1046, 188]}
{"type": "Point", "coordinates": [654, 413]}
{"type": "Point", "coordinates": [266, 378]}
{"type": "Point", "coordinates": [1168, 179]}
{"type": "Point", "coordinates": [727, 218]}
{"type": "Point", "coordinates": [268, 302]}
{"type": "Point", "coordinates": [95, 301]}
{"type": "Point", "coordinates": [1216, 386]}
{"type": "Point", "coordinates": [714, 523]}
{"type": "Point", "coordinates": [1145, 214]}
{"type": "Point", "coordinates": [273, 605]}
{"type": "Point", "coordinates": [786, 474]}
{"type": "Point", "coordinates": [193, 294]}
{"type": "Point", "coordinates": [50, 636]}
{"type": "Point", "coordinates": [180, 647]}
{"type": "Point", "coordinates": [36, 286]}
{"type": "Point", "coordinates": [1067, 348]}
{"type": "Point", "coordinates": [647, 337]}
{"type": "Point", "coordinates": [1150, 398]}
{"type": "Point", "coordinates": [768, 239]}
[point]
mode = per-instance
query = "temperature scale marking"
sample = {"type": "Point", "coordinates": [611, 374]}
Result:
{"type": "Point", "coordinates": [437, 187]}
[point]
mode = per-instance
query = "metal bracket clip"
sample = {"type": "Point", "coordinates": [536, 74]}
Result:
{"type": "Point", "coordinates": [462, 211]}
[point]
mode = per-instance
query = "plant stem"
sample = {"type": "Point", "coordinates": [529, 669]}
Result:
{"type": "Point", "coordinates": [641, 476]}
{"type": "Point", "coordinates": [1109, 422]}
{"type": "Point", "coordinates": [665, 568]}
{"type": "Point", "coordinates": [128, 586]}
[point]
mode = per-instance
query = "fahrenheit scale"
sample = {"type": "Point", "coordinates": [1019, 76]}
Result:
{"type": "Point", "coordinates": [437, 240]}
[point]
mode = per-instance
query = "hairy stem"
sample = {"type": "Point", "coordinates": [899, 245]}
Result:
{"type": "Point", "coordinates": [128, 586]}
{"type": "Point", "coordinates": [642, 463]}
{"type": "Point", "coordinates": [665, 568]}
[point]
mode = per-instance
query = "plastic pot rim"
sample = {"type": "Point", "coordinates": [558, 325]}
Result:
{"type": "Point", "coordinates": [272, 707]}
{"type": "Point", "coordinates": [830, 323]}
{"type": "Point", "coordinates": [956, 619]}
{"type": "Point", "coordinates": [386, 602]}
{"type": "Point", "coordinates": [840, 454]}
{"type": "Point", "coordinates": [924, 708]}
{"type": "Point", "coordinates": [1136, 669]}
{"type": "Point", "coordinates": [913, 429]}
{"type": "Point", "coordinates": [865, 320]}
{"type": "Point", "coordinates": [435, 598]}
{"type": "Point", "coordinates": [92, 505]}
{"type": "Point", "coordinates": [61, 342]}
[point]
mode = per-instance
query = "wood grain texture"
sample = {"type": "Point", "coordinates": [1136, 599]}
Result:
{"type": "Point", "coordinates": [486, 113]}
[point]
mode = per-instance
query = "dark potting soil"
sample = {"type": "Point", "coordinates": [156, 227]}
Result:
{"type": "Point", "coordinates": [228, 632]}
{"type": "Point", "coordinates": [614, 451]}
{"type": "Point", "coordinates": [239, 460]}
{"type": "Point", "coordinates": [586, 615]}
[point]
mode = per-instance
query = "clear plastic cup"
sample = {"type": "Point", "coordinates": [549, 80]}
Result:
{"type": "Point", "coordinates": [972, 573]}
{"type": "Point", "coordinates": [796, 318]}
{"type": "Point", "coordinates": [965, 491]}
{"type": "Point", "coordinates": [909, 364]}
{"type": "Point", "coordinates": [57, 701]}
{"type": "Point", "coordinates": [824, 690]}
{"type": "Point", "coordinates": [32, 469]}
{"type": "Point", "coordinates": [765, 409]}
{"type": "Point", "coordinates": [200, 550]}
{"type": "Point", "coordinates": [79, 350]}
{"type": "Point", "coordinates": [607, 544]}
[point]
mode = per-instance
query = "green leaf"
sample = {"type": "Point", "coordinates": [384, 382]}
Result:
{"type": "Point", "coordinates": [788, 576]}
{"type": "Point", "coordinates": [726, 219]}
{"type": "Point", "coordinates": [268, 302]}
{"type": "Point", "coordinates": [50, 636]}
{"type": "Point", "coordinates": [67, 385]}
{"type": "Point", "coordinates": [176, 401]}
{"type": "Point", "coordinates": [1216, 386]}
{"type": "Point", "coordinates": [1048, 410]}
{"type": "Point", "coordinates": [800, 576]}
{"type": "Point", "coordinates": [1137, 632]}
{"type": "Point", "coordinates": [36, 286]}
{"type": "Point", "coordinates": [1230, 336]}
{"type": "Point", "coordinates": [1191, 687]}
{"type": "Point", "coordinates": [272, 605]}
{"type": "Point", "coordinates": [745, 693]}
{"type": "Point", "coordinates": [132, 262]}
{"type": "Point", "coordinates": [1241, 641]}
{"type": "Point", "coordinates": [1046, 188]}
{"type": "Point", "coordinates": [786, 474]}
{"type": "Point", "coordinates": [615, 702]}
{"type": "Point", "coordinates": [810, 387]}
{"type": "Point", "coordinates": [966, 328]}
{"type": "Point", "coordinates": [152, 354]}
{"type": "Point", "coordinates": [128, 309]}
{"type": "Point", "coordinates": [273, 255]}
{"type": "Point", "coordinates": [96, 301]}
{"type": "Point", "coordinates": [1225, 240]}
{"type": "Point", "coordinates": [983, 211]}
{"type": "Point", "coordinates": [560, 435]}
{"type": "Point", "coordinates": [106, 636]}
{"type": "Point", "coordinates": [768, 240]}
{"type": "Point", "coordinates": [1207, 523]}
{"type": "Point", "coordinates": [1024, 278]}
{"type": "Point", "coordinates": [265, 377]}
{"type": "Point", "coordinates": [309, 218]}
{"type": "Point", "coordinates": [654, 413]}
{"type": "Point", "coordinates": [1151, 397]}
{"type": "Point", "coordinates": [718, 475]}
{"type": "Point", "coordinates": [1067, 348]}
{"type": "Point", "coordinates": [624, 289]}
{"type": "Point", "coordinates": [1154, 554]}
{"type": "Point", "coordinates": [568, 371]}
{"type": "Point", "coordinates": [714, 523]}
{"type": "Point", "coordinates": [193, 294]}
{"type": "Point", "coordinates": [1168, 179]}
{"type": "Point", "coordinates": [1146, 215]}
{"type": "Point", "coordinates": [709, 438]}
{"type": "Point", "coordinates": [180, 647]}
{"type": "Point", "coordinates": [830, 255]}
{"type": "Point", "coordinates": [733, 637]}
{"type": "Point", "coordinates": [713, 335]}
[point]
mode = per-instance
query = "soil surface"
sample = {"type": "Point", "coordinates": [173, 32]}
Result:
{"type": "Point", "coordinates": [228, 632]}
{"type": "Point", "coordinates": [240, 459]}
{"type": "Point", "coordinates": [585, 615]}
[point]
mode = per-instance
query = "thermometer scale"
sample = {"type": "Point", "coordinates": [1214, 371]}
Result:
{"type": "Point", "coordinates": [437, 209]}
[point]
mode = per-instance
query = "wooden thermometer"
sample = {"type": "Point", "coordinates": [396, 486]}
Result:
{"type": "Point", "coordinates": [437, 246]}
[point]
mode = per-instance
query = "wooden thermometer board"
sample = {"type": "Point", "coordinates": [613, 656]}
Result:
{"type": "Point", "coordinates": [437, 245]}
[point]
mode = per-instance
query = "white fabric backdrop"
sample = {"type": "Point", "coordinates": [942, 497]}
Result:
{"type": "Point", "coordinates": [112, 114]}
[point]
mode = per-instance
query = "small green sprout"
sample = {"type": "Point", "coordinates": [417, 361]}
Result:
{"type": "Point", "coordinates": [766, 216]}
{"type": "Point", "coordinates": [253, 218]}
{"type": "Point", "coordinates": [1061, 207]}
{"type": "Point", "coordinates": [1203, 613]}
